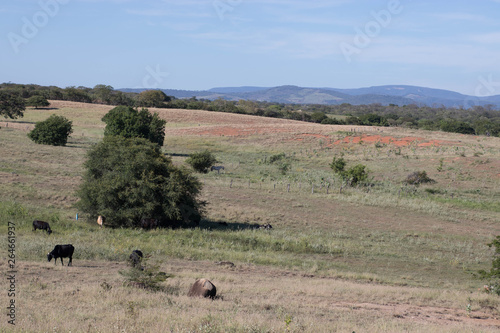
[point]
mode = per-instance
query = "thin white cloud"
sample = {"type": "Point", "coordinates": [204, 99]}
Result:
{"type": "Point", "coordinates": [165, 12]}
{"type": "Point", "coordinates": [461, 17]}
{"type": "Point", "coordinates": [487, 38]}
{"type": "Point", "coordinates": [463, 56]}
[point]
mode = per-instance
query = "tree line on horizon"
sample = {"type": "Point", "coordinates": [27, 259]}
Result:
{"type": "Point", "coordinates": [478, 120]}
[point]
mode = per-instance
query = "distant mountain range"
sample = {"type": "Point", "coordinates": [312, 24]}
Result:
{"type": "Point", "coordinates": [391, 94]}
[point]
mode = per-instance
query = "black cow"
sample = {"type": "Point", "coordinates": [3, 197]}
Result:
{"type": "Point", "coordinates": [61, 251]}
{"type": "Point", "coordinates": [135, 259]}
{"type": "Point", "coordinates": [42, 226]}
{"type": "Point", "coordinates": [147, 223]}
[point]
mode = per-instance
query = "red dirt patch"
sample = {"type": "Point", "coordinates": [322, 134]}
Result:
{"type": "Point", "coordinates": [400, 142]}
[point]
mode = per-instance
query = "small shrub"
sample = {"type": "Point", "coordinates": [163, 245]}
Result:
{"type": "Point", "coordinates": [284, 167]}
{"type": "Point", "coordinates": [353, 176]}
{"type": "Point", "coordinates": [277, 157]}
{"type": "Point", "coordinates": [439, 168]}
{"type": "Point", "coordinates": [53, 131]}
{"type": "Point", "coordinates": [418, 177]}
{"type": "Point", "coordinates": [201, 161]}
{"type": "Point", "coordinates": [356, 174]}
{"type": "Point", "coordinates": [338, 164]}
{"type": "Point", "coordinates": [148, 277]}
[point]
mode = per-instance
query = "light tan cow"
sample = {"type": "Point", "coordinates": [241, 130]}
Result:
{"type": "Point", "coordinates": [100, 220]}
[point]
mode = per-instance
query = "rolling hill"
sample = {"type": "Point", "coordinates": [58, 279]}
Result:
{"type": "Point", "coordinates": [389, 94]}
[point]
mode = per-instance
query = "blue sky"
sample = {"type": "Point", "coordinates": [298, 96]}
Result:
{"type": "Point", "coordinates": [201, 44]}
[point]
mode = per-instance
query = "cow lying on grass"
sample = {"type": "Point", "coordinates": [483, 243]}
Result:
{"type": "Point", "coordinates": [61, 251]}
{"type": "Point", "coordinates": [203, 288]}
{"type": "Point", "coordinates": [42, 226]}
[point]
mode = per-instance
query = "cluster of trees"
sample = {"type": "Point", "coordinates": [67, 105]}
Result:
{"type": "Point", "coordinates": [100, 94]}
{"type": "Point", "coordinates": [479, 120]}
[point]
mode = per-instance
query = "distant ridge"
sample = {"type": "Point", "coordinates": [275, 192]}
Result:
{"type": "Point", "coordinates": [385, 95]}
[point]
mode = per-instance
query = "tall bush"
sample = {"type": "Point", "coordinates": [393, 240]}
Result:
{"type": "Point", "coordinates": [130, 179]}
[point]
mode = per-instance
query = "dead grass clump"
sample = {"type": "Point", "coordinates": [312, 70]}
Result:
{"type": "Point", "coordinates": [418, 177]}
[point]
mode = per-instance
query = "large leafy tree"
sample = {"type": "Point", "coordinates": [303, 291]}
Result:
{"type": "Point", "coordinates": [103, 93]}
{"type": "Point", "coordinates": [11, 105]}
{"type": "Point", "coordinates": [54, 131]}
{"type": "Point", "coordinates": [37, 101]}
{"type": "Point", "coordinates": [128, 122]}
{"type": "Point", "coordinates": [129, 179]}
{"type": "Point", "coordinates": [152, 98]}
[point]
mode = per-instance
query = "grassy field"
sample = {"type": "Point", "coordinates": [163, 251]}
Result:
{"type": "Point", "coordinates": [385, 258]}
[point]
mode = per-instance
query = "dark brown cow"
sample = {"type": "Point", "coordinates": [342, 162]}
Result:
{"type": "Point", "coordinates": [42, 226]}
{"type": "Point", "coordinates": [147, 223]}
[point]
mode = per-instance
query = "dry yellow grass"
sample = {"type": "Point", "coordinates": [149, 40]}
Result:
{"type": "Point", "coordinates": [90, 297]}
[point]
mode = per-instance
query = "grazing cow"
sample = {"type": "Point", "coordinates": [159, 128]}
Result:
{"type": "Point", "coordinates": [147, 223]}
{"type": "Point", "coordinates": [100, 220]}
{"type": "Point", "coordinates": [218, 168]}
{"type": "Point", "coordinates": [61, 251]}
{"type": "Point", "coordinates": [202, 288]}
{"type": "Point", "coordinates": [135, 259]}
{"type": "Point", "coordinates": [42, 226]}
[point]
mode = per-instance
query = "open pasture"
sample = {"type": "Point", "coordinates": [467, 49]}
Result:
{"type": "Point", "coordinates": [384, 258]}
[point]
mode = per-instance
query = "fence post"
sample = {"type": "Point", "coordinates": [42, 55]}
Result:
{"type": "Point", "coordinates": [288, 188]}
{"type": "Point", "coordinates": [231, 184]}
{"type": "Point", "coordinates": [312, 189]}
